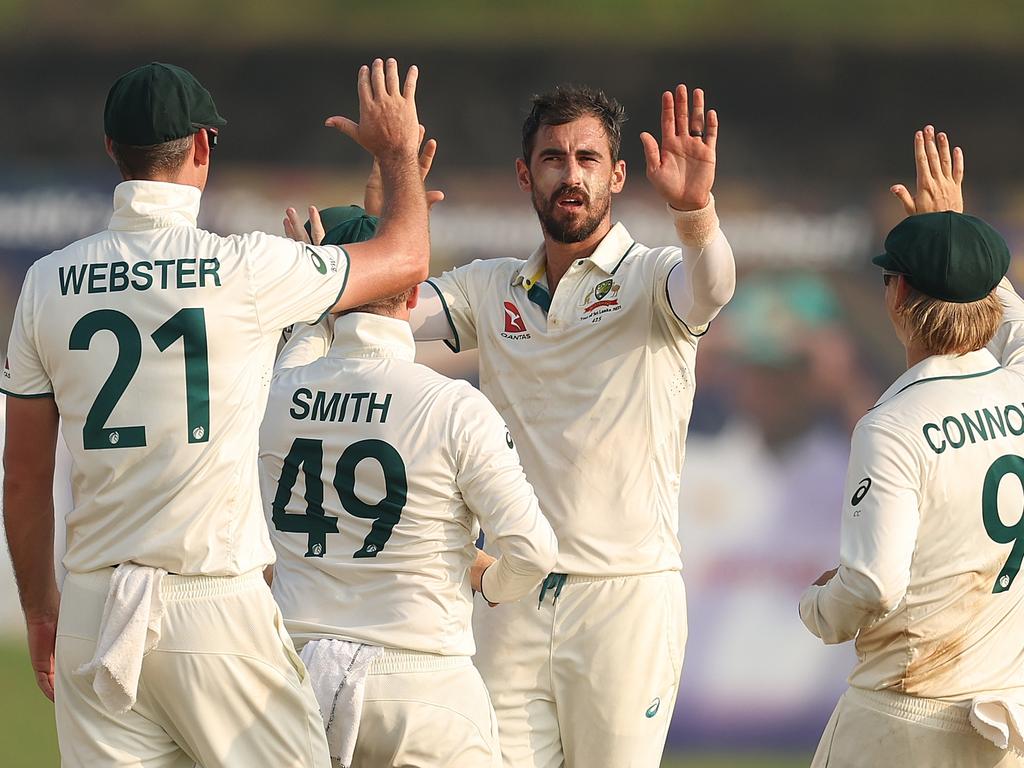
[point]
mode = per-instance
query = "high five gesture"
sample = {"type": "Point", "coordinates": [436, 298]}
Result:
{"type": "Point", "coordinates": [940, 176]}
{"type": "Point", "coordinates": [682, 168]}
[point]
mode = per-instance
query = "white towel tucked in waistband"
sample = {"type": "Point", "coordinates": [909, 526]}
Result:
{"type": "Point", "coordinates": [999, 720]}
{"type": "Point", "coordinates": [130, 628]}
{"type": "Point", "coordinates": [337, 671]}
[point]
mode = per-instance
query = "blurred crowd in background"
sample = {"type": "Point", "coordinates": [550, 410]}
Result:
{"type": "Point", "coordinates": [817, 106]}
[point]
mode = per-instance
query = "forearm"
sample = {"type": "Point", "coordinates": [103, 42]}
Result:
{"type": "Point", "coordinates": [28, 524]}
{"type": "Point", "coordinates": [520, 568]}
{"type": "Point", "coordinates": [1008, 344]}
{"type": "Point", "coordinates": [708, 279]}
{"type": "Point", "coordinates": [518, 535]}
{"type": "Point", "coordinates": [30, 449]}
{"type": "Point", "coordinates": [398, 256]}
{"type": "Point", "coordinates": [850, 600]}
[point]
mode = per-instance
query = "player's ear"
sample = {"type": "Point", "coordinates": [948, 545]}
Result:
{"type": "Point", "coordinates": [108, 144]}
{"type": "Point", "coordinates": [523, 175]}
{"type": "Point", "coordinates": [902, 291]}
{"type": "Point", "coordinates": [414, 298]}
{"type": "Point", "coordinates": [618, 176]}
{"type": "Point", "coordinates": [200, 148]}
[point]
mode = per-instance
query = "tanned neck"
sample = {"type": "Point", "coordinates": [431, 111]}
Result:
{"type": "Point", "coordinates": [560, 256]}
{"type": "Point", "coordinates": [915, 355]}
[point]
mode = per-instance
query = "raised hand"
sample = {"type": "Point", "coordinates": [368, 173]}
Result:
{"type": "Point", "coordinates": [388, 126]}
{"type": "Point", "coordinates": [373, 196]}
{"type": "Point", "coordinates": [296, 230]}
{"type": "Point", "coordinates": [940, 176]}
{"type": "Point", "coordinates": [682, 168]}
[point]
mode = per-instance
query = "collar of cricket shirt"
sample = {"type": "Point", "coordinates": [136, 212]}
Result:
{"type": "Point", "coordinates": [372, 337]}
{"type": "Point", "coordinates": [141, 205]}
{"type": "Point", "coordinates": [940, 367]}
{"type": "Point", "coordinates": [608, 255]}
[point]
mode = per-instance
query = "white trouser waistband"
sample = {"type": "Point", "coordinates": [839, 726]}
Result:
{"type": "Point", "coordinates": [392, 660]}
{"type": "Point", "coordinates": [174, 587]}
{"type": "Point", "coordinates": [576, 579]}
{"type": "Point", "coordinates": [943, 715]}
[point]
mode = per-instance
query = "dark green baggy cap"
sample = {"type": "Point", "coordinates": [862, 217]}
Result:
{"type": "Point", "coordinates": [948, 256]}
{"type": "Point", "coordinates": [345, 224]}
{"type": "Point", "coordinates": [156, 103]}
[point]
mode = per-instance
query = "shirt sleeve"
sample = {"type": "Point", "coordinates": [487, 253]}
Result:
{"type": "Point", "coordinates": [308, 343]}
{"type": "Point", "coordinates": [429, 319]}
{"type": "Point", "coordinates": [692, 285]}
{"type": "Point", "coordinates": [23, 373]}
{"type": "Point", "coordinates": [457, 289]}
{"type": "Point", "coordinates": [495, 489]}
{"type": "Point", "coordinates": [293, 282]}
{"type": "Point", "coordinates": [879, 532]}
{"type": "Point", "coordinates": [1008, 343]}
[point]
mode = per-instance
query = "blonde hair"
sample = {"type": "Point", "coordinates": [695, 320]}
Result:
{"type": "Point", "coordinates": [949, 328]}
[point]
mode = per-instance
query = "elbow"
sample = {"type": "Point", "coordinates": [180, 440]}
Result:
{"type": "Point", "coordinates": [878, 599]}
{"type": "Point", "coordinates": [888, 601]}
{"type": "Point", "coordinates": [722, 291]}
{"type": "Point", "coordinates": [538, 556]}
{"type": "Point", "coordinates": [418, 262]}
{"type": "Point", "coordinates": [548, 555]}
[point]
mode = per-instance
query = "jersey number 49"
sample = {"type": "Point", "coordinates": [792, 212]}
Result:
{"type": "Point", "coordinates": [309, 455]}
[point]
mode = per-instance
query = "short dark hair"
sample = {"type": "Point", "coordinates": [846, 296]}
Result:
{"type": "Point", "coordinates": [151, 161]}
{"type": "Point", "coordinates": [571, 102]}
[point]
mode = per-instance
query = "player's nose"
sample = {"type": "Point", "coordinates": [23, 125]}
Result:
{"type": "Point", "coordinates": [572, 172]}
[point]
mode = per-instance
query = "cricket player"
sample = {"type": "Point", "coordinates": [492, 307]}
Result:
{"type": "Point", "coordinates": [154, 341]}
{"type": "Point", "coordinates": [587, 350]}
{"type": "Point", "coordinates": [400, 467]}
{"type": "Point", "coordinates": [932, 539]}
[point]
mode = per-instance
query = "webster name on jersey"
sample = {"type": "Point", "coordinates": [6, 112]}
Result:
{"type": "Point", "coordinates": [113, 277]}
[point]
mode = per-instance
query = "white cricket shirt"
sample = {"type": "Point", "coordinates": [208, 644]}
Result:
{"type": "Point", "coordinates": [156, 339]}
{"type": "Point", "coordinates": [932, 532]}
{"type": "Point", "coordinates": [596, 384]}
{"type": "Point", "coordinates": [377, 474]}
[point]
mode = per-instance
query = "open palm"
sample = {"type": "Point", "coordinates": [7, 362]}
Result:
{"type": "Point", "coordinates": [682, 168]}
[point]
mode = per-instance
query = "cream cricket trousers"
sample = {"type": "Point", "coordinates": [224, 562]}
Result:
{"type": "Point", "coordinates": [222, 688]}
{"type": "Point", "coordinates": [873, 729]}
{"type": "Point", "coordinates": [426, 711]}
{"type": "Point", "coordinates": [585, 674]}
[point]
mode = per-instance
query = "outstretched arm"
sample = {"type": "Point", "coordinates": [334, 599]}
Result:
{"type": "Point", "coordinates": [940, 179]}
{"type": "Point", "coordinates": [682, 170]}
{"type": "Point", "coordinates": [373, 195]}
{"type": "Point", "coordinates": [398, 257]}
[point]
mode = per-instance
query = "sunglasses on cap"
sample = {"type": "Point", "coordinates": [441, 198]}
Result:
{"type": "Point", "coordinates": [211, 135]}
{"type": "Point", "coordinates": [888, 277]}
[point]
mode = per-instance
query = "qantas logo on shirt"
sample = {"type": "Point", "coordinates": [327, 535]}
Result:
{"type": "Point", "coordinates": [513, 319]}
{"type": "Point", "coordinates": [515, 327]}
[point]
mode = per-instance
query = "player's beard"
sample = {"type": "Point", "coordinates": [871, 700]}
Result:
{"type": "Point", "coordinates": [564, 228]}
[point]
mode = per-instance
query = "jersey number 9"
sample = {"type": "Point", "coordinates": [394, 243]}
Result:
{"type": "Point", "coordinates": [997, 530]}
